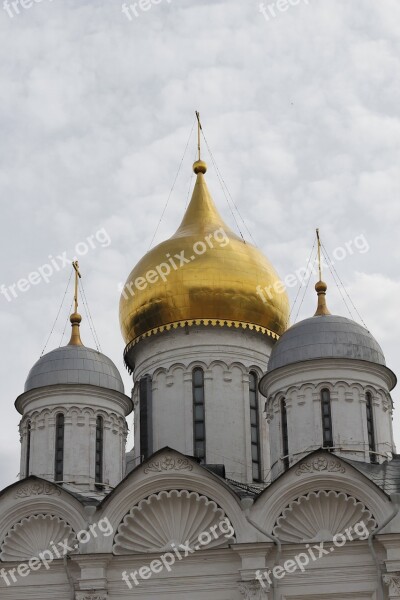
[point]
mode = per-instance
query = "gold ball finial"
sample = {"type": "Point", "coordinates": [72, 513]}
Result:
{"type": "Point", "coordinates": [321, 287]}
{"type": "Point", "coordinates": [322, 309]}
{"type": "Point", "coordinates": [75, 318]}
{"type": "Point", "coordinates": [200, 167]}
{"type": "Point", "coordinates": [75, 340]}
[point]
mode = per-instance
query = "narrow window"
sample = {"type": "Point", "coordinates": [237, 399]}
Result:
{"type": "Point", "coordinates": [99, 450]}
{"type": "Point", "coordinates": [326, 419]}
{"type": "Point", "coordinates": [146, 416]}
{"type": "Point", "coordinates": [255, 427]}
{"type": "Point", "coordinates": [28, 449]}
{"type": "Point", "coordinates": [199, 424]}
{"type": "Point", "coordinates": [371, 428]}
{"type": "Point", "coordinates": [59, 461]}
{"type": "Point", "coordinates": [285, 435]}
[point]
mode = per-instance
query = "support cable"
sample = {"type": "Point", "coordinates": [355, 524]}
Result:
{"type": "Point", "coordinates": [66, 323]}
{"type": "Point", "coordinates": [336, 281]}
{"type": "Point", "coordinates": [172, 189]}
{"type": "Point", "coordinates": [298, 291]}
{"type": "Point", "coordinates": [332, 269]}
{"type": "Point", "coordinates": [89, 318]}
{"type": "Point", "coordinates": [223, 186]}
{"type": "Point", "coordinates": [58, 314]}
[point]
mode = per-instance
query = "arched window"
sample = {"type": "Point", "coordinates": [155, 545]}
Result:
{"type": "Point", "coordinates": [99, 450]}
{"type": "Point", "coordinates": [59, 456]}
{"type": "Point", "coordinates": [146, 417]}
{"type": "Point", "coordinates": [371, 427]}
{"type": "Point", "coordinates": [326, 418]}
{"type": "Point", "coordinates": [285, 435]}
{"type": "Point", "coordinates": [28, 448]}
{"type": "Point", "coordinates": [199, 424]}
{"type": "Point", "coordinates": [255, 427]}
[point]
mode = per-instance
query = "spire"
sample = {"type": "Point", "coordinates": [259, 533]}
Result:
{"type": "Point", "coordinates": [320, 286]}
{"type": "Point", "coordinates": [199, 166]}
{"type": "Point", "coordinates": [76, 318]}
{"type": "Point", "coordinates": [201, 215]}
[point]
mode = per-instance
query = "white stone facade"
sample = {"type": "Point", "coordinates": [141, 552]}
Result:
{"type": "Point", "coordinates": [180, 500]}
{"type": "Point", "coordinates": [227, 356]}
{"type": "Point", "coordinates": [348, 382]}
{"type": "Point", "coordinates": [327, 528]}
{"type": "Point", "coordinates": [80, 405]}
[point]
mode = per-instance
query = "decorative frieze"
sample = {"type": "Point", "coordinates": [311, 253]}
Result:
{"type": "Point", "coordinates": [38, 488]}
{"type": "Point", "coordinates": [319, 464]}
{"type": "Point", "coordinates": [95, 595]}
{"type": "Point", "coordinates": [168, 463]}
{"type": "Point", "coordinates": [253, 590]}
{"type": "Point", "coordinates": [392, 580]}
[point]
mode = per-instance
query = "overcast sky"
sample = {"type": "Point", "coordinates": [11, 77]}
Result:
{"type": "Point", "coordinates": [301, 111]}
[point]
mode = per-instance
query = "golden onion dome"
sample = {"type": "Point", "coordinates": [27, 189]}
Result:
{"type": "Point", "coordinates": [204, 274]}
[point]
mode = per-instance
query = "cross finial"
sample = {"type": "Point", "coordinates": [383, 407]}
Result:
{"type": "Point", "coordinates": [77, 277]}
{"type": "Point", "coordinates": [320, 286]}
{"type": "Point", "coordinates": [319, 255]}
{"type": "Point", "coordinates": [199, 129]}
{"type": "Point", "coordinates": [199, 166]}
{"type": "Point", "coordinates": [76, 318]}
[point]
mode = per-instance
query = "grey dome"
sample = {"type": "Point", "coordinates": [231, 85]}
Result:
{"type": "Point", "coordinates": [74, 364]}
{"type": "Point", "coordinates": [326, 336]}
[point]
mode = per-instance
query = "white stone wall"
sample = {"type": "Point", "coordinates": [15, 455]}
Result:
{"type": "Point", "coordinates": [80, 405]}
{"type": "Point", "coordinates": [348, 382]}
{"type": "Point", "coordinates": [227, 356]}
{"type": "Point", "coordinates": [163, 489]}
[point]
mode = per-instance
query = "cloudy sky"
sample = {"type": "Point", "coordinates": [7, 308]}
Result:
{"type": "Point", "coordinates": [301, 111]}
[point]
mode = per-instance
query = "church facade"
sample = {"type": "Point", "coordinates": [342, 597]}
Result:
{"type": "Point", "coordinates": [264, 464]}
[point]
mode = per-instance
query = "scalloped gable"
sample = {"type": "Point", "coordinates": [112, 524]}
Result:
{"type": "Point", "coordinates": [167, 461]}
{"type": "Point", "coordinates": [319, 470]}
{"type": "Point", "coordinates": [34, 495]}
{"type": "Point", "coordinates": [168, 470]}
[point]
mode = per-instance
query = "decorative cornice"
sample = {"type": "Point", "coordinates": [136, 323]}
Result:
{"type": "Point", "coordinates": [198, 322]}
{"type": "Point", "coordinates": [253, 590]}
{"type": "Point", "coordinates": [37, 489]}
{"type": "Point", "coordinates": [320, 464]}
{"type": "Point", "coordinates": [74, 415]}
{"type": "Point", "coordinates": [95, 595]}
{"type": "Point", "coordinates": [392, 580]}
{"type": "Point", "coordinates": [168, 463]}
{"type": "Point", "coordinates": [312, 369]}
{"type": "Point", "coordinates": [350, 391]}
{"type": "Point", "coordinates": [74, 389]}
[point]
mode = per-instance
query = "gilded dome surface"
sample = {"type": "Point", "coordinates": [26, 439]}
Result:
{"type": "Point", "coordinates": [203, 273]}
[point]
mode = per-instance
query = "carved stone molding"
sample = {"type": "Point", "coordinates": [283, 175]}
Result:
{"type": "Point", "coordinates": [74, 415]}
{"type": "Point", "coordinates": [319, 516]}
{"type": "Point", "coordinates": [392, 580]}
{"type": "Point", "coordinates": [253, 590]}
{"type": "Point", "coordinates": [168, 463]}
{"type": "Point", "coordinates": [38, 489]}
{"type": "Point", "coordinates": [268, 409]}
{"type": "Point", "coordinates": [99, 595]}
{"type": "Point", "coordinates": [320, 464]}
{"type": "Point", "coordinates": [166, 520]}
{"type": "Point", "coordinates": [36, 534]}
{"type": "Point", "coordinates": [340, 390]}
